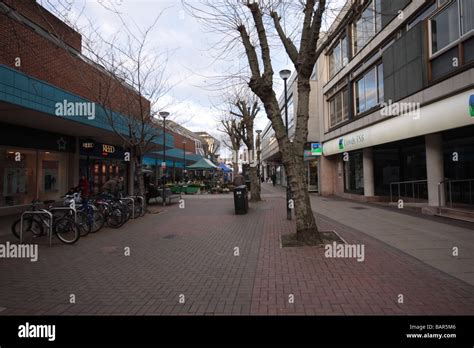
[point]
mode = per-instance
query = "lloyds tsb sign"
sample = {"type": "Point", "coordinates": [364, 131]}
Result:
{"type": "Point", "coordinates": [358, 139]}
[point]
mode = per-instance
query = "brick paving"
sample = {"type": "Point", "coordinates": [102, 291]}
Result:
{"type": "Point", "coordinates": [190, 252]}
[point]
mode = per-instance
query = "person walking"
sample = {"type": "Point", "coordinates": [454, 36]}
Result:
{"type": "Point", "coordinates": [274, 179]}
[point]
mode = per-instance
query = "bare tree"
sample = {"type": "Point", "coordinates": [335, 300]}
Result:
{"type": "Point", "coordinates": [231, 127]}
{"type": "Point", "coordinates": [247, 109]}
{"type": "Point", "coordinates": [256, 23]}
{"type": "Point", "coordinates": [127, 84]}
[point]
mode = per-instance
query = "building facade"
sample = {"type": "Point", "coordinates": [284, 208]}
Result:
{"type": "Point", "coordinates": [396, 95]}
{"type": "Point", "coordinates": [44, 152]}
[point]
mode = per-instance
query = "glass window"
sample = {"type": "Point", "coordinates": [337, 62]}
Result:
{"type": "Point", "coordinates": [445, 27]}
{"type": "Point", "coordinates": [369, 89]}
{"type": "Point", "coordinates": [338, 57]}
{"type": "Point", "coordinates": [354, 173]}
{"type": "Point", "coordinates": [18, 177]}
{"type": "Point", "coordinates": [467, 10]}
{"type": "Point", "coordinates": [364, 28]}
{"type": "Point", "coordinates": [380, 83]}
{"type": "Point", "coordinates": [339, 108]}
{"type": "Point", "coordinates": [360, 95]}
{"type": "Point", "coordinates": [53, 178]}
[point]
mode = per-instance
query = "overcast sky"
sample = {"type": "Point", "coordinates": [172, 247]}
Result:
{"type": "Point", "coordinates": [191, 68]}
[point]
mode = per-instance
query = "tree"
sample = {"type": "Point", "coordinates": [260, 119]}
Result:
{"type": "Point", "coordinates": [253, 21]}
{"type": "Point", "coordinates": [234, 142]}
{"type": "Point", "coordinates": [127, 85]}
{"type": "Point", "coordinates": [247, 111]}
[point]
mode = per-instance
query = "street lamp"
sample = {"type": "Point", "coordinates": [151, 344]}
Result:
{"type": "Point", "coordinates": [259, 171]}
{"type": "Point", "coordinates": [184, 157]}
{"type": "Point", "coordinates": [285, 75]}
{"type": "Point", "coordinates": [164, 114]}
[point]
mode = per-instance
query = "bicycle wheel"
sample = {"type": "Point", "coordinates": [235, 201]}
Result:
{"type": "Point", "coordinates": [67, 230]}
{"type": "Point", "coordinates": [30, 225]}
{"type": "Point", "coordinates": [115, 217]}
{"type": "Point", "coordinates": [82, 219]}
{"type": "Point", "coordinates": [98, 221]}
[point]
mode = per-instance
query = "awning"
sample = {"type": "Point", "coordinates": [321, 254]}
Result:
{"type": "Point", "coordinates": [202, 164]}
{"type": "Point", "coordinates": [224, 168]}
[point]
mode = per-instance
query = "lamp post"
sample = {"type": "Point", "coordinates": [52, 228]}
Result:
{"type": "Point", "coordinates": [259, 171]}
{"type": "Point", "coordinates": [164, 114]}
{"type": "Point", "coordinates": [184, 158]}
{"type": "Point", "coordinates": [285, 75]}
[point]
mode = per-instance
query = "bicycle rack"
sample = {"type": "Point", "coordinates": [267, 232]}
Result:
{"type": "Point", "coordinates": [38, 212]}
{"type": "Point", "coordinates": [66, 208]}
{"type": "Point", "coordinates": [132, 215]}
{"type": "Point", "coordinates": [142, 201]}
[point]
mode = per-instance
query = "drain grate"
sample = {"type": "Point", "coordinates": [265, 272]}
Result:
{"type": "Point", "coordinates": [359, 208]}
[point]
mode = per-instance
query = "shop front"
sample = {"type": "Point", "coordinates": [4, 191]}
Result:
{"type": "Point", "coordinates": [311, 154]}
{"type": "Point", "coordinates": [100, 162]}
{"type": "Point", "coordinates": [34, 164]}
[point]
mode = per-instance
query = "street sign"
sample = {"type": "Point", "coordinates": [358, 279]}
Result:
{"type": "Point", "coordinates": [163, 165]}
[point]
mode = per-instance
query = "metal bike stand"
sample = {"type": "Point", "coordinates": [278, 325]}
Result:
{"type": "Point", "coordinates": [38, 212]}
{"type": "Point", "coordinates": [142, 201]}
{"type": "Point", "coordinates": [66, 208]}
{"type": "Point", "coordinates": [133, 205]}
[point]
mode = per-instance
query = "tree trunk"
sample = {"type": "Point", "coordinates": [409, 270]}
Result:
{"type": "Point", "coordinates": [306, 228]}
{"type": "Point", "coordinates": [254, 185]}
{"type": "Point", "coordinates": [141, 180]}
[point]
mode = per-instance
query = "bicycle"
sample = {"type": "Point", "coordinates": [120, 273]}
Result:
{"type": "Point", "coordinates": [63, 227]}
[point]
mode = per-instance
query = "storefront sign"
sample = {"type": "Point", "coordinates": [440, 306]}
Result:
{"type": "Point", "coordinates": [432, 119]}
{"type": "Point", "coordinates": [107, 149]}
{"type": "Point", "coordinates": [316, 149]}
{"type": "Point", "coordinates": [92, 149]}
{"type": "Point", "coordinates": [88, 145]}
{"type": "Point", "coordinates": [471, 105]}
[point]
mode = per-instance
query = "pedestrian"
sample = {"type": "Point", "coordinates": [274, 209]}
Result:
{"type": "Point", "coordinates": [84, 186]}
{"type": "Point", "coordinates": [110, 187]}
{"type": "Point", "coordinates": [274, 179]}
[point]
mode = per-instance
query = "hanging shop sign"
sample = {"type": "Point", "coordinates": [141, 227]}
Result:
{"type": "Point", "coordinates": [316, 149]}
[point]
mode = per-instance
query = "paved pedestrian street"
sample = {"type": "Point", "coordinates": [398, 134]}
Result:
{"type": "Point", "coordinates": [204, 260]}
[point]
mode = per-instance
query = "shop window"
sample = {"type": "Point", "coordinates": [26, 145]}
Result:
{"type": "Point", "coordinates": [354, 173]}
{"type": "Point", "coordinates": [369, 89]}
{"type": "Point", "coordinates": [18, 178]}
{"type": "Point", "coordinates": [339, 107]}
{"type": "Point", "coordinates": [367, 25]}
{"type": "Point", "coordinates": [52, 175]}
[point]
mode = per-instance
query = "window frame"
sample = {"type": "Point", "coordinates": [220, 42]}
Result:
{"type": "Point", "coordinates": [462, 36]}
{"type": "Point", "coordinates": [377, 27]}
{"type": "Point", "coordinates": [332, 106]}
{"type": "Point", "coordinates": [377, 67]}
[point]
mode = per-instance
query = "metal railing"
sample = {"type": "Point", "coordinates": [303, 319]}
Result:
{"type": "Point", "coordinates": [457, 191]}
{"type": "Point", "coordinates": [415, 185]}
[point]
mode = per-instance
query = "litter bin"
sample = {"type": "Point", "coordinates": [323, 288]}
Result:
{"type": "Point", "coordinates": [241, 200]}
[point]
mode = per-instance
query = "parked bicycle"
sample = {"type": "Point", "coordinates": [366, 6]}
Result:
{"type": "Point", "coordinates": [64, 227]}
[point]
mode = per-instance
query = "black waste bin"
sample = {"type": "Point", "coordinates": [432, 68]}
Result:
{"type": "Point", "coordinates": [241, 200]}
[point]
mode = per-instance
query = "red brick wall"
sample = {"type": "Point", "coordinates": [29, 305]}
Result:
{"type": "Point", "coordinates": [178, 143]}
{"type": "Point", "coordinates": [46, 61]}
{"type": "Point", "coordinates": [46, 20]}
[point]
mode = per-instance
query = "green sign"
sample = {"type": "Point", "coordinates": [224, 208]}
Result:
{"type": "Point", "coordinates": [471, 105]}
{"type": "Point", "coordinates": [341, 144]}
{"type": "Point", "coordinates": [316, 149]}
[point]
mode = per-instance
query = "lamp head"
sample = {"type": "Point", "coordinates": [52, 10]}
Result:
{"type": "Point", "coordinates": [164, 114]}
{"type": "Point", "coordinates": [285, 74]}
